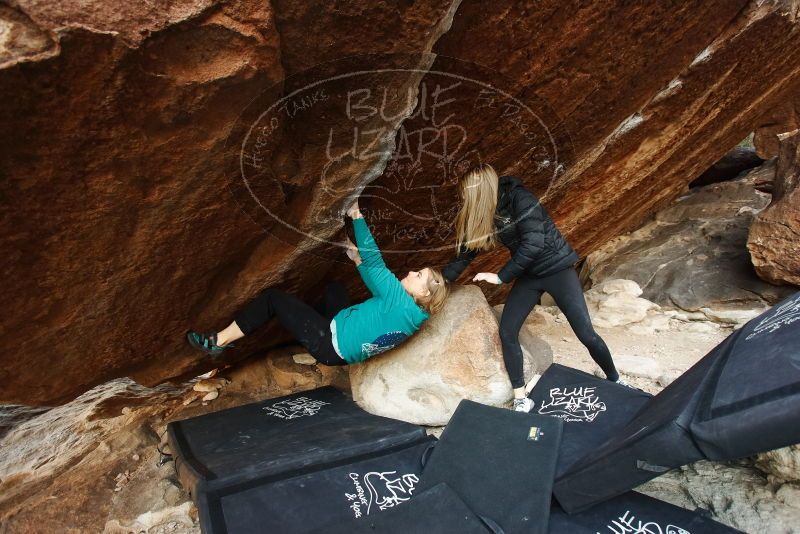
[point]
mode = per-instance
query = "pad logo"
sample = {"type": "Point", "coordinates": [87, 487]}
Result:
{"type": "Point", "coordinates": [383, 490]}
{"type": "Point", "coordinates": [628, 524]}
{"type": "Point", "coordinates": [577, 404]}
{"type": "Point", "coordinates": [294, 408]}
{"type": "Point", "coordinates": [782, 316]}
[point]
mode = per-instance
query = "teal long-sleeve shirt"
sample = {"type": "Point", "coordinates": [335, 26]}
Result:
{"type": "Point", "coordinates": [387, 318]}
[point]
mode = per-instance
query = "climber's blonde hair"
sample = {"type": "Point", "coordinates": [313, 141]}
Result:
{"type": "Point", "coordinates": [475, 221]}
{"type": "Point", "coordinates": [439, 291]}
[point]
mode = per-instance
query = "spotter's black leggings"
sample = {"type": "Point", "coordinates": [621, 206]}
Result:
{"type": "Point", "coordinates": [565, 288]}
{"type": "Point", "coordinates": [309, 325]}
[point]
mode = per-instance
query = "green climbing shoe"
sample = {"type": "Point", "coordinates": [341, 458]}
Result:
{"type": "Point", "coordinates": [205, 342]}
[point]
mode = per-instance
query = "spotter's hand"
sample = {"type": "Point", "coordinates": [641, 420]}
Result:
{"type": "Point", "coordinates": [487, 277]}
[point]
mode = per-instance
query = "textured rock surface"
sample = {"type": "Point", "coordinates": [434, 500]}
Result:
{"type": "Point", "coordinates": [455, 355]}
{"type": "Point", "coordinates": [96, 456]}
{"type": "Point", "coordinates": [774, 240]}
{"type": "Point", "coordinates": [705, 233]}
{"type": "Point", "coordinates": [642, 124]}
{"type": "Point", "coordinates": [734, 493]}
{"type": "Point", "coordinates": [119, 232]}
{"type": "Point", "coordinates": [738, 160]}
{"type": "Point", "coordinates": [617, 303]}
{"type": "Point", "coordinates": [783, 464]}
{"type": "Point", "coordinates": [783, 117]}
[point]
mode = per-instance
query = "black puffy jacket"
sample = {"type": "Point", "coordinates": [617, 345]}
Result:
{"type": "Point", "coordinates": [524, 226]}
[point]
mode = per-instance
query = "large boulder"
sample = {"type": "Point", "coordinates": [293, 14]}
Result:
{"type": "Point", "coordinates": [119, 148]}
{"type": "Point", "coordinates": [774, 239]}
{"type": "Point", "coordinates": [456, 355]}
{"type": "Point", "coordinates": [783, 117]}
{"type": "Point", "coordinates": [703, 233]}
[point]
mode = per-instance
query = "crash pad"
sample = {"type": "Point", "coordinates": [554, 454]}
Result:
{"type": "Point", "coordinates": [231, 447]}
{"type": "Point", "coordinates": [308, 498]}
{"type": "Point", "coordinates": [501, 463]}
{"type": "Point", "coordinates": [437, 510]}
{"type": "Point", "coordinates": [632, 513]}
{"type": "Point", "coordinates": [592, 409]}
{"type": "Point", "coordinates": [742, 398]}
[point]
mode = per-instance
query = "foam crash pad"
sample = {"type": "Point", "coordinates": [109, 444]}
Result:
{"type": "Point", "coordinates": [438, 510]}
{"type": "Point", "coordinates": [742, 398]}
{"type": "Point", "coordinates": [277, 436]}
{"type": "Point", "coordinates": [592, 409]}
{"type": "Point", "coordinates": [302, 501]}
{"type": "Point", "coordinates": [633, 513]}
{"type": "Point", "coordinates": [500, 462]}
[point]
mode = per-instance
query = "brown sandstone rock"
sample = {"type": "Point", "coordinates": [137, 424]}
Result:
{"type": "Point", "coordinates": [783, 117]}
{"type": "Point", "coordinates": [774, 240]}
{"type": "Point", "coordinates": [120, 231]}
{"type": "Point", "coordinates": [97, 457]}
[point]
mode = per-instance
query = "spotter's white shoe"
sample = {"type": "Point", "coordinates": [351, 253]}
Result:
{"type": "Point", "coordinates": [621, 382]}
{"type": "Point", "coordinates": [523, 405]}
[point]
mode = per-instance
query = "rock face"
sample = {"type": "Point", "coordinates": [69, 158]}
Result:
{"type": "Point", "coordinates": [704, 232]}
{"type": "Point", "coordinates": [734, 493]}
{"type": "Point", "coordinates": [616, 303]}
{"type": "Point", "coordinates": [783, 464]}
{"type": "Point", "coordinates": [774, 239]}
{"type": "Point", "coordinates": [97, 455]}
{"type": "Point", "coordinates": [456, 355]}
{"type": "Point", "coordinates": [732, 164]}
{"type": "Point", "coordinates": [783, 117]}
{"type": "Point", "coordinates": [126, 215]}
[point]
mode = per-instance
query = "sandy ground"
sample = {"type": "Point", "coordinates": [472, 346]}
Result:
{"type": "Point", "coordinates": [648, 360]}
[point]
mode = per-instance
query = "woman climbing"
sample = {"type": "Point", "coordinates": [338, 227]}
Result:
{"type": "Point", "coordinates": [541, 260]}
{"type": "Point", "coordinates": [343, 334]}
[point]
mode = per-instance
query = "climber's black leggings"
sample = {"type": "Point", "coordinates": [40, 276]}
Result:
{"type": "Point", "coordinates": [566, 290]}
{"type": "Point", "coordinates": [310, 326]}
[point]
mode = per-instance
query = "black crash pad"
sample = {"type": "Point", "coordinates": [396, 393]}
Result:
{"type": "Point", "coordinates": [632, 513]}
{"type": "Point", "coordinates": [437, 510]}
{"type": "Point", "coordinates": [500, 462]}
{"type": "Point", "coordinates": [278, 436]}
{"type": "Point", "coordinates": [742, 398]}
{"type": "Point", "coordinates": [300, 502]}
{"type": "Point", "coordinates": [592, 409]}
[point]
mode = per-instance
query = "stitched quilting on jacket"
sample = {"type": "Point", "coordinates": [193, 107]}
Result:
{"type": "Point", "coordinates": [524, 226]}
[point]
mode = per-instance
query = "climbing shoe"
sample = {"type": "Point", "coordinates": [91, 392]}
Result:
{"type": "Point", "coordinates": [523, 405]}
{"type": "Point", "coordinates": [205, 342]}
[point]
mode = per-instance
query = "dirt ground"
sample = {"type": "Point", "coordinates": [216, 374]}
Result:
{"type": "Point", "coordinates": [648, 360]}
